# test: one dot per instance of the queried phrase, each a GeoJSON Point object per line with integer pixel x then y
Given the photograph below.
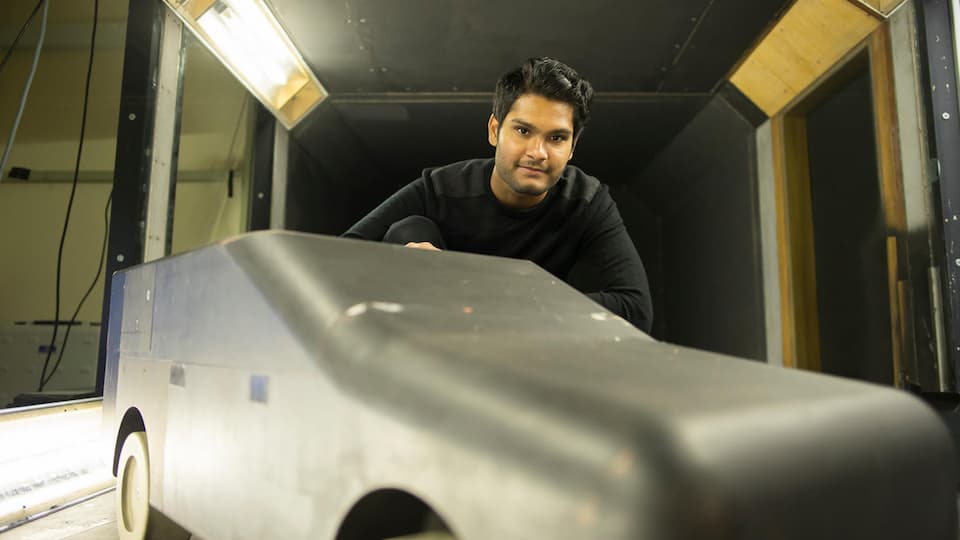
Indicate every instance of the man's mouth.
{"type": "Point", "coordinates": [532, 169]}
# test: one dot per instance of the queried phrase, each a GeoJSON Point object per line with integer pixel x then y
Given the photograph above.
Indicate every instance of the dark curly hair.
{"type": "Point", "coordinates": [549, 78]}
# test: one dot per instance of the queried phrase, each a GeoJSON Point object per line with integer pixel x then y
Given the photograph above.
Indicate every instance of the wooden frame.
{"type": "Point", "coordinates": [795, 228]}
{"type": "Point", "coordinates": [807, 42]}
{"type": "Point", "coordinates": [798, 287]}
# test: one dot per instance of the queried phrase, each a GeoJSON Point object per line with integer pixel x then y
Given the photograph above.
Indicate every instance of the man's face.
{"type": "Point", "coordinates": [534, 144]}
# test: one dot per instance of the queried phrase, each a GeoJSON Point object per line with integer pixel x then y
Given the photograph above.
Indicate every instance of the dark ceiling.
{"type": "Point", "coordinates": [412, 78]}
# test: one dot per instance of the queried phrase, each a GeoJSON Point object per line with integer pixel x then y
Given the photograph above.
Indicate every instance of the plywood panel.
{"type": "Point", "coordinates": [805, 44]}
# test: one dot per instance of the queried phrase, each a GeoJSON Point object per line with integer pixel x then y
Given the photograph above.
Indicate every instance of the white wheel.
{"type": "Point", "coordinates": [133, 488]}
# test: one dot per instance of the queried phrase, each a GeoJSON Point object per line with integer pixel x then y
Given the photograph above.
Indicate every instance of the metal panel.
{"type": "Point", "coordinates": [933, 372]}
{"type": "Point", "coordinates": [131, 179]}
{"type": "Point", "coordinates": [769, 252]}
{"type": "Point", "coordinates": [442, 46]}
{"type": "Point", "coordinates": [723, 35]}
{"type": "Point", "coordinates": [261, 169]}
{"type": "Point", "coordinates": [703, 186]}
{"type": "Point", "coordinates": [945, 122]}
{"type": "Point", "coordinates": [278, 188]}
{"type": "Point", "coordinates": [166, 129]}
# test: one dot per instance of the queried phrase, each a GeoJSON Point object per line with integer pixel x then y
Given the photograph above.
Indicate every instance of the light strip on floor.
{"type": "Point", "coordinates": [49, 457]}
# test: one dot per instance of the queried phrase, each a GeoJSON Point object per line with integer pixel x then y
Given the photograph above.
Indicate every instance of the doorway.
{"type": "Point", "coordinates": [839, 210]}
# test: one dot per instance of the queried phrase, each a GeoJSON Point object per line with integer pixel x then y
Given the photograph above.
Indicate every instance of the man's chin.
{"type": "Point", "coordinates": [530, 190]}
{"type": "Point", "coordinates": [533, 188]}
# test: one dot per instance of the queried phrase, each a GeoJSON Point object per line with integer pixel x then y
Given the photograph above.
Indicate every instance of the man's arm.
{"type": "Point", "coordinates": [614, 273]}
{"type": "Point", "coordinates": [409, 201]}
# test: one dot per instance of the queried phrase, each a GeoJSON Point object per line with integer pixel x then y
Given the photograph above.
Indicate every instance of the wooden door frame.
{"type": "Point", "coordinates": [796, 254]}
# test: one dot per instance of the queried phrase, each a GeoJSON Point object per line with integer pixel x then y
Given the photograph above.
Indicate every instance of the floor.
{"type": "Point", "coordinates": [93, 519]}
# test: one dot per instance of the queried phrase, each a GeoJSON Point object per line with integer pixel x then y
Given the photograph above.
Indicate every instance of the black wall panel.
{"type": "Point", "coordinates": [704, 189]}
{"type": "Point", "coordinates": [334, 180]}
{"type": "Point", "coordinates": [853, 304]}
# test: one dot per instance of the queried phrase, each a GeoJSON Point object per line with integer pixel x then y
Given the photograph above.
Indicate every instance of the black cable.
{"type": "Point", "coordinates": [232, 163]}
{"type": "Point", "coordinates": [96, 278]}
{"type": "Point", "coordinates": [73, 191]}
{"type": "Point", "coordinates": [16, 40]}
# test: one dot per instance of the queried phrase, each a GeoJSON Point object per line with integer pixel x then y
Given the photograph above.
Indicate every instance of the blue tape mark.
{"type": "Point", "coordinates": [258, 388]}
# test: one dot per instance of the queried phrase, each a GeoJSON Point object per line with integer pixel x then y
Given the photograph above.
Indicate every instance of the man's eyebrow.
{"type": "Point", "coordinates": [524, 123]}
{"type": "Point", "coordinates": [521, 122]}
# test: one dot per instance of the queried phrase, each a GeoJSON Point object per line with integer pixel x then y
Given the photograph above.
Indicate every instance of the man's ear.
{"type": "Point", "coordinates": [493, 127]}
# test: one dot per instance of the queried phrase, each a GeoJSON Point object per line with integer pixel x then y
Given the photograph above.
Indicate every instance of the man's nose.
{"type": "Point", "coordinates": [536, 149]}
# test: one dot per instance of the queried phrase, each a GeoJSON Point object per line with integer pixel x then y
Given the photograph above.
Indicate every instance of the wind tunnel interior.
{"type": "Point", "coordinates": [411, 84]}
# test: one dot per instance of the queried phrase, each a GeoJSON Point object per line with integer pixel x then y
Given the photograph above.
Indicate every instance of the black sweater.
{"type": "Point", "coordinates": [576, 224]}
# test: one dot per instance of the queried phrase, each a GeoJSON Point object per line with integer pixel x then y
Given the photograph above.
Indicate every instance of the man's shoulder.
{"type": "Point", "coordinates": [467, 178]}
{"type": "Point", "coordinates": [578, 185]}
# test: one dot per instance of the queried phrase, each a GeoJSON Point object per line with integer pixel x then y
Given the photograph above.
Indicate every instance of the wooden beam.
{"type": "Point", "coordinates": [803, 46]}
{"type": "Point", "coordinates": [788, 329]}
{"type": "Point", "coordinates": [887, 131]}
{"type": "Point", "coordinates": [893, 293]}
{"type": "Point", "coordinates": [890, 168]}
{"type": "Point", "coordinates": [798, 283]}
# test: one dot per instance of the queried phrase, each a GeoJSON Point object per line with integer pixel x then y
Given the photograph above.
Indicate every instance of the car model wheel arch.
{"type": "Point", "coordinates": [131, 423]}
{"type": "Point", "coordinates": [390, 513]}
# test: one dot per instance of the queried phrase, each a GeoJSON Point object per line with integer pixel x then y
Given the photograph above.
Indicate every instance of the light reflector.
{"type": "Point", "coordinates": [248, 39]}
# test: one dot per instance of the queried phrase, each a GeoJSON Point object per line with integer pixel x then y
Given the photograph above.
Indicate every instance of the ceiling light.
{"type": "Point", "coordinates": [249, 40]}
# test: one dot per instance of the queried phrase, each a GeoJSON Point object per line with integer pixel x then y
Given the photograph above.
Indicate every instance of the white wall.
{"type": "Point", "coordinates": [31, 220]}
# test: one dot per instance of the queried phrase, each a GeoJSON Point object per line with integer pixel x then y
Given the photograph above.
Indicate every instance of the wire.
{"type": "Point", "coordinates": [73, 191]}
{"type": "Point", "coordinates": [16, 40]}
{"type": "Point", "coordinates": [232, 163]}
{"type": "Point", "coordinates": [26, 90]}
{"type": "Point", "coordinates": [96, 278]}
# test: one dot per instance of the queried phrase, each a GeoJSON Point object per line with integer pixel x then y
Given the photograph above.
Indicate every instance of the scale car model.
{"type": "Point", "coordinates": [285, 385]}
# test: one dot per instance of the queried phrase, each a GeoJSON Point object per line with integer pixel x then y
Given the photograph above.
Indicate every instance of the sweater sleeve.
{"type": "Point", "coordinates": [618, 277]}
{"type": "Point", "coordinates": [409, 201]}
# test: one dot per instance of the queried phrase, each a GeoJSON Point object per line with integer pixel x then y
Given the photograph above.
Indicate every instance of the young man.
{"type": "Point", "coordinates": [526, 202]}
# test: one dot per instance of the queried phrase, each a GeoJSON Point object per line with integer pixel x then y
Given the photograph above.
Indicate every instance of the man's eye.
{"type": "Point", "coordinates": [558, 138]}
{"type": "Point", "coordinates": [523, 130]}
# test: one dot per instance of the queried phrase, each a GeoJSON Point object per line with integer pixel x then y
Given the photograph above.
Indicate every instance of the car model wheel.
{"type": "Point", "coordinates": [133, 487]}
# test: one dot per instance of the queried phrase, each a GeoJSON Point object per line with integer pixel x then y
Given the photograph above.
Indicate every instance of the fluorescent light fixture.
{"type": "Point", "coordinates": [249, 40]}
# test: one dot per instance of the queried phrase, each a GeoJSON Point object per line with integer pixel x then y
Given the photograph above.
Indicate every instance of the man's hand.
{"type": "Point", "coordinates": [423, 245]}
